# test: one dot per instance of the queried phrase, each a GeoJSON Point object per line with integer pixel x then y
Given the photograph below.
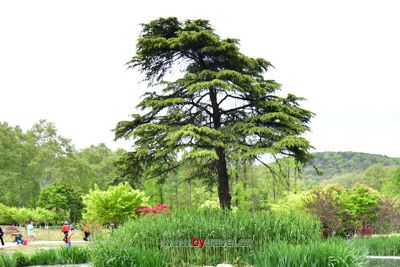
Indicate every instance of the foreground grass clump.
{"type": "Point", "coordinates": [325, 253]}
{"type": "Point", "coordinates": [73, 255]}
{"type": "Point", "coordinates": [168, 239]}
{"type": "Point", "coordinates": [379, 246]}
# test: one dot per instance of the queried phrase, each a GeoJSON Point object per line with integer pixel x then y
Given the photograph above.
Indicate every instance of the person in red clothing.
{"type": "Point", "coordinates": [65, 229]}
{"type": "Point", "coordinates": [67, 240]}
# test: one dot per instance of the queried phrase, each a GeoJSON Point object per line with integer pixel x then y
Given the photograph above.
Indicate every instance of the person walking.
{"type": "Point", "coordinates": [85, 231]}
{"type": "Point", "coordinates": [1, 236]}
{"type": "Point", "coordinates": [29, 232]}
{"type": "Point", "coordinates": [65, 229]}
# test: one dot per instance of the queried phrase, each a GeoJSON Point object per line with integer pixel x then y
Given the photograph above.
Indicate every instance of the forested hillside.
{"type": "Point", "coordinates": [336, 163]}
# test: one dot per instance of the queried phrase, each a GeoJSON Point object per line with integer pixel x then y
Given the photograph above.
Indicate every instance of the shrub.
{"type": "Point", "coordinates": [116, 205]}
{"type": "Point", "coordinates": [325, 204]}
{"type": "Point", "coordinates": [20, 259]}
{"type": "Point", "coordinates": [388, 219]}
{"type": "Point", "coordinates": [158, 209]}
{"type": "Point", "coordinates": [365, 231]}
{"type": "Point", "coordinates": [342, 211]}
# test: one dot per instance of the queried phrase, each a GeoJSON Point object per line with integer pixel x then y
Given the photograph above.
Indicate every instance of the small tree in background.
{"type": "Point", "coordinates": [326, 205]}
{"type": "Point", "coordinates": [116, 205]}
{"type": "Point", "coordinates": [65, 200]}
{"type": "Point", "coordinates": [361, 203]}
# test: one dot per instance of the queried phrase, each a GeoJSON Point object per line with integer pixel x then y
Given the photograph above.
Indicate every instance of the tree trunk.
{"type": "Point", "coordinates": [237, 183]}
{"type": "Point", "coordinates": [161, 195]}
{"type": "Point", "coordinates": [223, 180]}
{"type": "Point", "coordinates": [223, 177]}
{"type": "Point", "coordinates": [176, 191]}
{"type": "Point", "coordinates": [253, 204]}
{"type": "Point", "coordinates": [190, 193]}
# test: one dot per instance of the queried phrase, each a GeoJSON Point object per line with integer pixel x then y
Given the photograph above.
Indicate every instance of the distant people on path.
{"type": "Point", "coordinates": [85, 231]}
{"type": "Point", "coordinates": [1, 236]}
{"type": "Point", "coordinates": [29, 232]}
{"type": "Point", "coordinates": [65, 229]}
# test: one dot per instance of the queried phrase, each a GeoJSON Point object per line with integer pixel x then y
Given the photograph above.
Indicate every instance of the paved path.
{"type": "Point", "coordinates": [13, 244]}
{"type": "Point", "coordinates": [384, 257]}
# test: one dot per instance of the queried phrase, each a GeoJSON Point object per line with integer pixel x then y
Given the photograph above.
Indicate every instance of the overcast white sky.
{"type": "Point", "coordinates": [64, 61]}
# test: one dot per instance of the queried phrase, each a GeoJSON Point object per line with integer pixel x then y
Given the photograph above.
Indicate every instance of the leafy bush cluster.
{"type": "Point", "coordinates": [115, 205]}
{"type": "Point", "coordinates": [348, 211]}
{"type": "Point", "coordinates": [12, 215]}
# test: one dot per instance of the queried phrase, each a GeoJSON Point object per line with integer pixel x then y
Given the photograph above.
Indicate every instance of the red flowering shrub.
{"type": "Point", "coordinates": [365, 230]}
{"type": "Point", "coordinates": [158, 208]}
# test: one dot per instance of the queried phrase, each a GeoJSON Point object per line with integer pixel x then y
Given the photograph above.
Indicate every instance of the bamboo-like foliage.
{"type": "Point", "coordinates": [149, 233]}
{"type": "Point", "coordinates": [379, 246]}
{"type": "Point", "coordinates": [329, 254]}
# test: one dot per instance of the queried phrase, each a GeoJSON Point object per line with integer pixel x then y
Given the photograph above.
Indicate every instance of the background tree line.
{"type": "Point", "coordinates": [40, 168]}
{"type": "Point", "coordinates": [39, 157]}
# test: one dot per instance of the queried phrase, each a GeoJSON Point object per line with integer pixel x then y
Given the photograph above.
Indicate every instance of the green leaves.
{"type": "Point", "coordinates": [221, 106]}
{"type": "Point", "coordinates": [65, 200]}
{"type": "Point", "coordinates": [116, 205]}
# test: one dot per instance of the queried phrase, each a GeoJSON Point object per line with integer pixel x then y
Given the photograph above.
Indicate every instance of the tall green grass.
{"type": "Point", "coordinates": [316, 254]}
{"type": "Point", "coordinates": [379, 246]}
{"type": "Point", "coordinates": [147, 233]}
{"type": "Point", "coordinates": [73, 255]}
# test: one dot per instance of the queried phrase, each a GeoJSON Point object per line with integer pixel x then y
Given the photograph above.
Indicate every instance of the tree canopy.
{"type": "Point", "coordinates": [65, 200]}
{"type": "Point", "coordinates": [221, 107]}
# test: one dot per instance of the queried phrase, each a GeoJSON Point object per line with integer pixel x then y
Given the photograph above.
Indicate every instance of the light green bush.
{"type": "Point", "coordinates": [116, 205]}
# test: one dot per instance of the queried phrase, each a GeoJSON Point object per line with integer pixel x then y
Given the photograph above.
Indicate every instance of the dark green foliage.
{"type": "Point", "coordinates": [148, 233]}
{"type": "Point", "coordinates": [20, 259]}
{"type": "Point", "coordinates": [66, 200]}
{"type": "Point", "coordinates": [221, 107]}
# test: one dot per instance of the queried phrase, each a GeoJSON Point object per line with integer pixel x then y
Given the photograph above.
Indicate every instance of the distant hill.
{"type": "Point", "coordinates": [335, 163]}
